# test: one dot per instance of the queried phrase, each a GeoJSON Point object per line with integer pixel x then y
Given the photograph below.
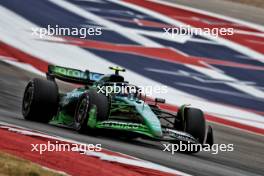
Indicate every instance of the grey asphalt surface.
{"type": "Point", "coordinates": [224, 7]}
{"type": "Point", "coordinates": [246, 159]}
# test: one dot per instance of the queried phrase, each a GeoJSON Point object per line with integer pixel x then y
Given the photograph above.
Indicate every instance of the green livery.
{"type": "Point", "coordinates": [90, 108]}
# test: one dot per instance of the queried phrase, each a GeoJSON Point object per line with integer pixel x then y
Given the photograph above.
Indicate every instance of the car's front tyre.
{"type": "Point", "coordinates": [195, 124]}
{"type": "Point", "coordinates": [87, 101]}
{"type": "Point", "coordinates": [192, 121]}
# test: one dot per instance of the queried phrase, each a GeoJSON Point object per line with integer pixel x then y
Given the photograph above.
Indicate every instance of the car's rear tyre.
{"type": "Point", "coordinates": [86, 102]}
{"type": "Point", "coordinates": [40, 100]}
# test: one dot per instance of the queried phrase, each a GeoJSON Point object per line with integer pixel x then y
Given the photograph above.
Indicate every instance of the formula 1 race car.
{"type": "Point", "coordinates": [91, 108]}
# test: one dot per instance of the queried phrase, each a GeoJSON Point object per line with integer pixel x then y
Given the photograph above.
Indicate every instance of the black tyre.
{"type": "Point", "coordinates": [195, 123]}
{"type": "Point", "coordinates": [86, 102]}
{"type": "Point", "coordinates": [210, 136]}
{"type": "Point", "coordinates": [40, 101]}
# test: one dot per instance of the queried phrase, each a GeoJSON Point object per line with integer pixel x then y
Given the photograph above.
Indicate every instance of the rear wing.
{"type": "Point", "coordinates": [72, 75]}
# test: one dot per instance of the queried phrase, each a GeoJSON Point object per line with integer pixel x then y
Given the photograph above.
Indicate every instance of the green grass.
{"type": "Point", "coordinates": [13, 166]}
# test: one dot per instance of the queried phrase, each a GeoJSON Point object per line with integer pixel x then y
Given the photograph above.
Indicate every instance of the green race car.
{"type": "Point", "coordinates": [98, 106]}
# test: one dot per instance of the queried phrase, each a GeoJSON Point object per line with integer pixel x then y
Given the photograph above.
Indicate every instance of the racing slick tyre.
{"type": "Point", "coordinates": [192, 122]}
{"type": "Point", "coordinates": [86, 102]}
{"type": "Point", "coordinates": [195, 123]}
{"type": "Point", "coordinates": [40, 100]}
